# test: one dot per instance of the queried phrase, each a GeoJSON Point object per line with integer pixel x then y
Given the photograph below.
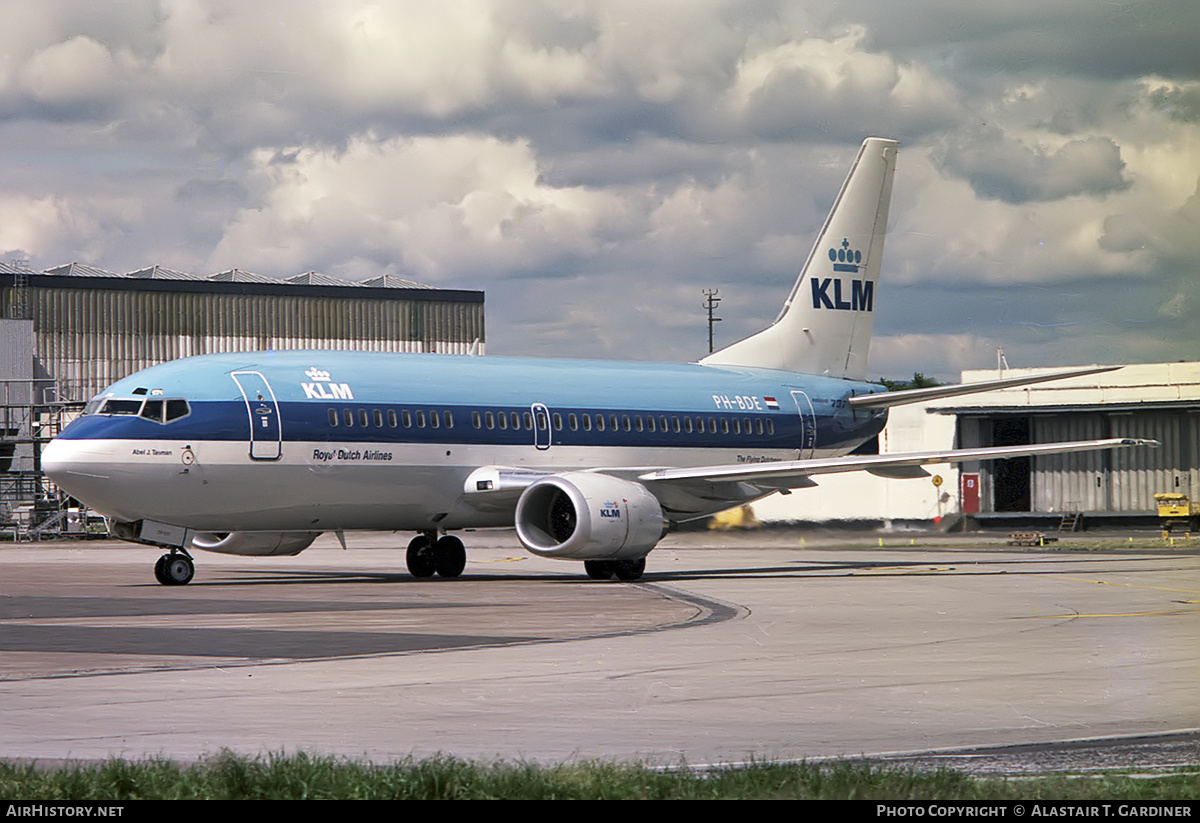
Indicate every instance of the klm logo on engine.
{"type": "Point", "coordinates": [610, 509]}
{"type": "Point", "coordinates": [832, 292]}
{"type": "Point", "coordinates": [322, 388]}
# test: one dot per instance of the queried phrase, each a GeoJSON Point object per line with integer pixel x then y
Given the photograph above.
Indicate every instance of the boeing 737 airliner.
{"type": "Point", "coordinates": [259, 453]}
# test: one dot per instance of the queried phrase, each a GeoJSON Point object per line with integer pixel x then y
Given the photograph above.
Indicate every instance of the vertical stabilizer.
{"type": "Point", "coordinates": [825, 325]}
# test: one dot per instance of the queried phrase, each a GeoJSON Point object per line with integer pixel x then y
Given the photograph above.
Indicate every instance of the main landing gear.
{"type": "Point", "coordinates": [427, 555]}
{"type": "Point", "coordinates": [627, 570]}
{"type": "Point", "coordinates": [174, 569]}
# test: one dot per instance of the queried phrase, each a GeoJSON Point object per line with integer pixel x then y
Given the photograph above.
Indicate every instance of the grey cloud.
{"type": "Point", "coordinates": [1033, 37]}
{"type": "Point", "coordinates": [999, 168]}
{"type": "Point", "coordinates": [1172, 236]}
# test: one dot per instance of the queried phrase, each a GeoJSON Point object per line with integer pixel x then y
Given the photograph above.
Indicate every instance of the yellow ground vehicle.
{"type": "Point", "coordinates": [1176, 511]}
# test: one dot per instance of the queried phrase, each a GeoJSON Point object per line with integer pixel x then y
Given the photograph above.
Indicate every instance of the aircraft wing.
{"type": "Point", "coordinates": [703, 489]}
{"type": "Point", "coordinates": [884, 400]}
{"type": "Point", "coordinates": [886, 465]}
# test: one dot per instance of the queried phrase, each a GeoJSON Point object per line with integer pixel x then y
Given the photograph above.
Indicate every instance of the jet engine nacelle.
{"type": "Point", "coordinates": [585, 516]}
{"type": "Point", "coordinates": [255, 544]}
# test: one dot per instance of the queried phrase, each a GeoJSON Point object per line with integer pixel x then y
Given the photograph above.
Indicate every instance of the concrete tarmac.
{"type": "Point", "coordinates": [731, 647]}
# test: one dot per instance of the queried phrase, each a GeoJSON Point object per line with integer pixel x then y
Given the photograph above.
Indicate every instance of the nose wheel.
{"type": "Point", "coordinates": [174, 569]}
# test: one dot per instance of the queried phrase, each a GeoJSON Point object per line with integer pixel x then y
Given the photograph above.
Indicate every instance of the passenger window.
{"type": "Point", "coordinates": [587, 422]}
{"type": "Point", "coordinates": [516, 421]}
{"type": "Point", "coordinates": [770, 426]}
{"type": "Point", "coordinates": [378, 419]}
{"type": "Point", "coordinates": [406, 418]}
{"type": "Point", "coordinates": [599, 422]}
{"type": "Point", "coordinates": [675, 424]}
{"type": "Point", "coordinates": [687, 425]}
{"type": "Point", "coordinates": [558, 422]}
{"type": "Point", "coordinates": [448, 419]}
{"type": "Point", "coordinates": [348, 417]}
{"type": "Point", "coordinates": [434, 420]}
{"type": "Point", "coordinates": [573, 421]}
{"type": "Point", "coordinates": [333, 418]}
{"type": "Point", "coordinates": [363, 420]}
{"type": "Point", "coordinates": [490, 420]}
{"type": "Point", "coordinates": [420, 419]}
{"type": "Point", "coordinates": [503, 420]}
{"type": "Point", "coordinates": [528, 417]}
{"type": "Point", "coordinates": [392, 418]}
{"type": "Point", "coordinates": [476, 421]}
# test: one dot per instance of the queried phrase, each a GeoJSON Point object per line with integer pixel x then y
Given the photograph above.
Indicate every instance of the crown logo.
{"type": "Point", "coordinates": [317, 374]}
{"type": "Point", "coordinates": [845, 258]}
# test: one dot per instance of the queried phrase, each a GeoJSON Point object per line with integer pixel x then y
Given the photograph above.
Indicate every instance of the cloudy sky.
{"type": "Point", "coordinates": [594, 165]}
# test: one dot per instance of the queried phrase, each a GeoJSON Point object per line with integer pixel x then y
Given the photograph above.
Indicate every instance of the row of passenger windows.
{"type": "Point", "coordinates": [574, 421]}
{"type": "Point", "coordinates": [434, 419]}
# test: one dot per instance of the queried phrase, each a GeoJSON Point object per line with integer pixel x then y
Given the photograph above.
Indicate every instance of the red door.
{"type": "Point", "coordinates": [970, 494]}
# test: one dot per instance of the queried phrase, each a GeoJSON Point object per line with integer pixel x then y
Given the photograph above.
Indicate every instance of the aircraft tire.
{"type": "Point", "coordinates": [629, 570]}
{"type": "Point", "coordinates": [178, 570]}
{"type": "Point", "coordinates": [160, 570]}
{"type": "Point", "coordinates": [449, 557]}
{"type": "Point", "coordinates": [599, 569]}
{"type": "Point", "coordinates": [419, 557]}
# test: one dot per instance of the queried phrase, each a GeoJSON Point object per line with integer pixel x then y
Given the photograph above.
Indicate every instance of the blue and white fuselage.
{"type": "Point", "coordinates": [258, 453]}
{"type": "Point", "coordinates": [363, 440]}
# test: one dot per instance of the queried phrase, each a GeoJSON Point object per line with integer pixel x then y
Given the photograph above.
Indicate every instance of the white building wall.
{"type": "Point", "coordinates": [859, 495]}
{"type": "Point", "coordinates": [863, 496]}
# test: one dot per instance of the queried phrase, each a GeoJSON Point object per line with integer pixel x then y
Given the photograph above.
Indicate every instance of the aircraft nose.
{"type": "Point", "coordinates": [76, 467]}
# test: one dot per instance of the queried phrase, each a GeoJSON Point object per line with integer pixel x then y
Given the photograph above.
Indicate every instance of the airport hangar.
{"type": "Point", "coordinates": [1160, 401]}
{"type": "Point", "coordinates": [69, 332]}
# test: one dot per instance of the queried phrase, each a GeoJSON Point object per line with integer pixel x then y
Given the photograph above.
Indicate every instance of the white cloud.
{"type": "Point", "coordinates": [838, 86]}
{"type": "Point", "coordinates": [75, 71]}
{"type": "Point", "coordinates": [440, 208]}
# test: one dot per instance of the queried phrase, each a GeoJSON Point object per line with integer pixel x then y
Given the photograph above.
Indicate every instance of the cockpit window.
{"type": "Point", "coordinates": [121, 407]}
{"type": "Point", "coordinates": [160, 411]}
{"type": "Point", "coordinates": [165, 411]}
{"type": "Point", "coordinates": [177, 409]}
{"type": "Point", "coordinates": [153, 410]}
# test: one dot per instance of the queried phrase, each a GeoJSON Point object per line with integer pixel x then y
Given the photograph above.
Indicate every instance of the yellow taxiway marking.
{"type": "Point", "coordinates": [1125, 585]}
{"type": "Point", "coordinates": [1111, 614]}
{"type": "Point", "coordinates": [903, 570]}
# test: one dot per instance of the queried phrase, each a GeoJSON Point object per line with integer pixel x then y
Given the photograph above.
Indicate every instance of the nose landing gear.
{"type": "Point", "coordinates": [174, 569]}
